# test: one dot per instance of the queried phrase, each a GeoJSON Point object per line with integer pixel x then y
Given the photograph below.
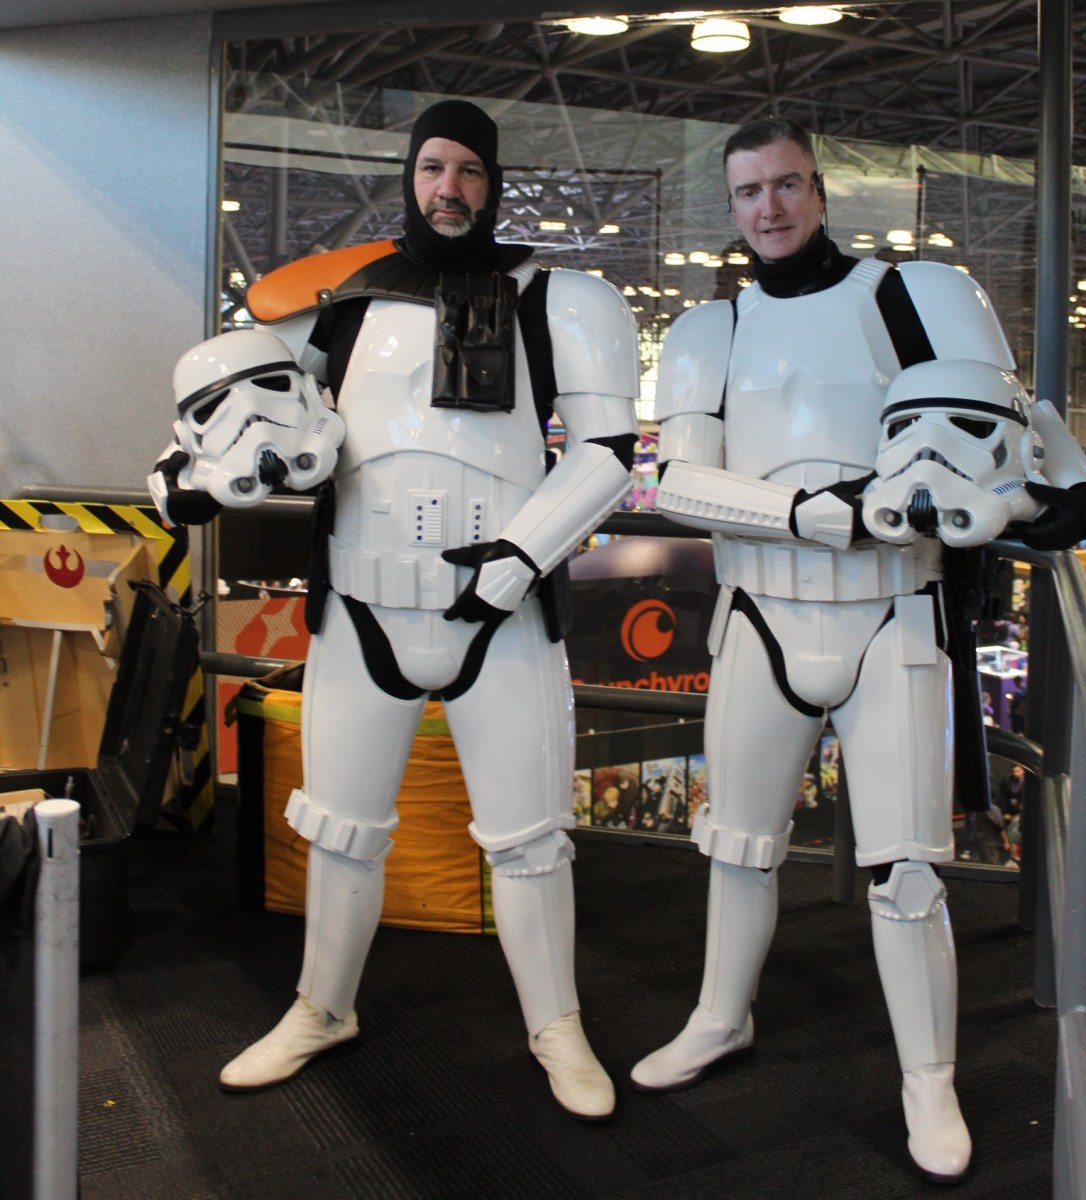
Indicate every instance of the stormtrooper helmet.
{"type": "Point", "coordinates": [249, 418]}
{"type": "Point", "coordinates": [957, 447]}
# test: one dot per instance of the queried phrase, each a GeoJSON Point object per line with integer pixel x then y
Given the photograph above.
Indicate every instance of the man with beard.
{"type": "Point", "coordinates": [816, 617]}
{"type": "Point", "coordinates": [439, 572]}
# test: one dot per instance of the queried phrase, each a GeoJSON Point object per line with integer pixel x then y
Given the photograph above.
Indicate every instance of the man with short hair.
{"type": "Point", "coordinates": [793, 390]}
{"type": "Point", "coordinates": [439, 572]}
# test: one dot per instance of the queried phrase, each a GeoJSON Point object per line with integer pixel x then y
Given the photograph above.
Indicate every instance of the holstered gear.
{"type": "Point", "coordinates": [474, 342]}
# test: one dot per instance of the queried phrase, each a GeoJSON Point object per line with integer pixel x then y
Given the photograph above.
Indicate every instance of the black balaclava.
{"type": "Point", "coordinates": [476, 250]}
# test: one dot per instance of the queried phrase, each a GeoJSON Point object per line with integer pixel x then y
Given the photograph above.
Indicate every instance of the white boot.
{"type": "Point", "coordinates": [914, 949]}
{"type": "Point", "coordinates": [939, 1142]}
{"type": "Point", "coordinates": [742, 914]}
{"type": "Point", "coordinates": [306, 1031]}
{"type": "Point", "coordinates": [534, 915]}
{"type": "Point", "coordinates": [684, 1061]}
{"type": "Point", "coordinates": [580, 1085]}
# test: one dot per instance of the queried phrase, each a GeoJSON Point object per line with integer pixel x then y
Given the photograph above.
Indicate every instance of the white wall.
{"type": "Point", "coordinates": [104, 170]}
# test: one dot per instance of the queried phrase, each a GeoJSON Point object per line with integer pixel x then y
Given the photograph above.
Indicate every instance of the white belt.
{"type": "Point", "coordinates": [391, 580]}
{"type": "Point", "coordinates": [800, 572]}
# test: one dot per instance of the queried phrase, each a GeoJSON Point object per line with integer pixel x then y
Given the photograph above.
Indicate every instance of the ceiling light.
{"type": "Point", "coordinates": [674, 259]}
{"type": "Point", "coordinates": [610, 229]}
{"type": "Point", "coordinates": [629, 291]}
{"type": "Point", "coordinates": [736, 258]}
{"type": "Point", "coordinates": [689, 303]}
{"type": "Point", "coordinates": [675, 292]}
{"type": "Point", "coordinates": [865, 245]}
{"type": "Point", "coordinates": [1081, 285]}
{"type": "Point", "coordinates": [811, 14]}
{"type": "Point", "coordinates": [598, 26]}
{"type": "Point", "coordinates": [940, 239]}
{"type": "Point", "coordinates": [715, 35]}
{"type": "Point", "coordinates": [552, 226]}
{"type": "Point", "coordinates": [899, 237]}
{"type": "Point", "coordinates": [231, 205]}
{"type": "Point", "coordinates": [865, 237]}
{"type": "Point", "coordinates": [697, 256]}
{"type": "Point", "coordinates": [713, 262]}
{"type": "Point", "coordinates": [962, 267]}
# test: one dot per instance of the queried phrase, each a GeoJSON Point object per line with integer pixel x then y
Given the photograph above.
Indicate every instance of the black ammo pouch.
{"type": "Point", "coordinates": [475, 341]}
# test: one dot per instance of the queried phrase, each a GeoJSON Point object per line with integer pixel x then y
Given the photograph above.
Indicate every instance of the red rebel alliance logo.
{"type": "Point", "coordinates": [67, 570]}
{"type": "Point", "coordinates": [647, 630]}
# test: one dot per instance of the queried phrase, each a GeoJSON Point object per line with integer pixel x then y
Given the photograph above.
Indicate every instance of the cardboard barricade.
{"type": "Point", "coordinates": [436, 877]}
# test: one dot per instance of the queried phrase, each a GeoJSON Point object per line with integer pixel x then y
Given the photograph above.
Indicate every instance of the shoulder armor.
{"type": "Point", "coordinates": [694, 361]}
{"type": "Point", "coordinates": [593, 335]}
{"type": "Point", "coordinates": [294, 288]}
{"type": "Point", "coordinates": [957, 315]}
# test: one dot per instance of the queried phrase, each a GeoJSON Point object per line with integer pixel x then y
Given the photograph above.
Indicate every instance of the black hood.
{"type": "Point", "coordinates": [465, 123]}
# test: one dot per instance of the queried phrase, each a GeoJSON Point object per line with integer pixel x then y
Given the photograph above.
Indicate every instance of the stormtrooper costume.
{"type": "Point", "coordinates": [446, 529]}
{"type": "Point", "coordinates": [816, 617]}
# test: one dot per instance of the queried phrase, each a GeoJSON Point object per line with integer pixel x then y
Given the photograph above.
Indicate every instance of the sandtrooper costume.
{"type": "Point", "coordinates": [816, 617]}
{"type": "Point", "coordinates": [446, 527]}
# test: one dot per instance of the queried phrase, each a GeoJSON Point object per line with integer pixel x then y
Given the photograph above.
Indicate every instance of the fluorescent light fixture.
{"type": "Point", "coordinates": [697, 256]}
{"type": "Point", "coordinates": [1081, 285]}
{"type": "Point", "coordinates": [231, 205]}
{"type": "Point", "coordinates": [865, 237]}
{"type": "Point", "coordinates": [552, 226]}
{"type": "Point", "coordinates": [598, 26]}
{"type": "Point", "coordinates": [940, 239]}
{"type": "Point", "coordinates": [736, 258]}
{"type": "Point", "coordinates": [714, 262]}
{"type": "Point", "coordinates": [610, 229]}
{"type": "Point", "coordinates": [674, 259]}
{"type": "Point", "coordinates": [899, 237]}
{"type": "Point", "coordinates": [675, 292]}
{"type": "Point", "coordinates": [810, 14]}
{"type": "Point", "coordinates": [628, 290]}
{"type": "Point", "coordinates": [715, 35]}
{"type": "Point", "coordinates": [689, 303]}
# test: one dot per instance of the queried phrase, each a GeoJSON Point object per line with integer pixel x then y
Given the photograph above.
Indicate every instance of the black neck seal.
{"type": "Point", "coordinates": [819, 265]}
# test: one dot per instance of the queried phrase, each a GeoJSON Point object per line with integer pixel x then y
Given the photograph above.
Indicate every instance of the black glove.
{"type": "Point", "coordinates": [469, 606]}
{"type": "Point", "coordinates": [850, 492]}
{"type": "Point", "coordinates": [1063, 523]}
{"type": "Point", "coordinates": [185, 506]}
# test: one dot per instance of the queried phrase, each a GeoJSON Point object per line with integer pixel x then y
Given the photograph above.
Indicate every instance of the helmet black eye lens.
{"type": "Point", "coordinates": [975, 428]}
{"type": "Point", "coordinates": [274, 383]}
{"type": "Point", "coordinates": [204, 413]}
{"type": "Point", "coordinates": [900, 426]}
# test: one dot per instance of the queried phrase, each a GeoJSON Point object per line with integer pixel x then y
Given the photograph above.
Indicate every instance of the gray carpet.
{"type": "Point", "coordinates": [439, 1099]}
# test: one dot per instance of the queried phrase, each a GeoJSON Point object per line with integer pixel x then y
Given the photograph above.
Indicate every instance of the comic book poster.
{"type": "Point", "coordinates": [663, 804]}
{"type": "Point", "coordinates": [697, 793]}
{"type": "Point", "coordinates": [615, 795]}
{"type": "Point", "coordinates": [582, 796]}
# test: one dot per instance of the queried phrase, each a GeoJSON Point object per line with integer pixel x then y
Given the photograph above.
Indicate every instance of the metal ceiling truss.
{"type": "Point", "coordinates": [956, 78]}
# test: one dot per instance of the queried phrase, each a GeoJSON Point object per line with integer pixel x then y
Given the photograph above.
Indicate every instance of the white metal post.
{"type": "Point", "coordinates": [56, 1002]}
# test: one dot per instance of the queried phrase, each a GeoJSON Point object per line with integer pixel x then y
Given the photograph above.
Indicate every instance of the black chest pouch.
{"type": "Point", "coordinates": [475, 342]}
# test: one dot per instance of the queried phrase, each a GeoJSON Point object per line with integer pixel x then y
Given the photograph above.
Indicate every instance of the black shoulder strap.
{"type": "Point", "coordinates": [907, 332]}
{"type": "Point", "coordinates": [536, 335]}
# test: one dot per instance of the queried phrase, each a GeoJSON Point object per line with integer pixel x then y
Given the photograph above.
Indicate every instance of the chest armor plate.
{"type": "Point", "coordinates": [806, 383]}
{"type": "Point", "coordinates": [385, 401]}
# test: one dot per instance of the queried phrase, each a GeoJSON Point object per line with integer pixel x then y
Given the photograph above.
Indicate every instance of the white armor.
{"type": "Point", "coordinates": [416, 485]}
{"type": "Point", "coordinates": [809, 623]}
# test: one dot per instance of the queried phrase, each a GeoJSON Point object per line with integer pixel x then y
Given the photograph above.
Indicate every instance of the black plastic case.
{"type": "Point", "coordinates": [144, 723]}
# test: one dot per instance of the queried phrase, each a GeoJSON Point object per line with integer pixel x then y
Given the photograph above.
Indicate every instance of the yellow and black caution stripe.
{"type": "Point", "coordinates": [192, 802]}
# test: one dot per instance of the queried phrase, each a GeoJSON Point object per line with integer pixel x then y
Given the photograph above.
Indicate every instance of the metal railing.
{"type": "Point", "coordinates": [1053, 878]}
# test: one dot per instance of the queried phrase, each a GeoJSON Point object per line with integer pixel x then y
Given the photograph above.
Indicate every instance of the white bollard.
{"type": "Point", "coordinates": [56, 1002]}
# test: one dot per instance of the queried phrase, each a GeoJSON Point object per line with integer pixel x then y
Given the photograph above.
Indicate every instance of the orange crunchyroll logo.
{"type": "Point", "coordinates": [60, 572]}
{"type": "Point", "coordinates": [647, 630]}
